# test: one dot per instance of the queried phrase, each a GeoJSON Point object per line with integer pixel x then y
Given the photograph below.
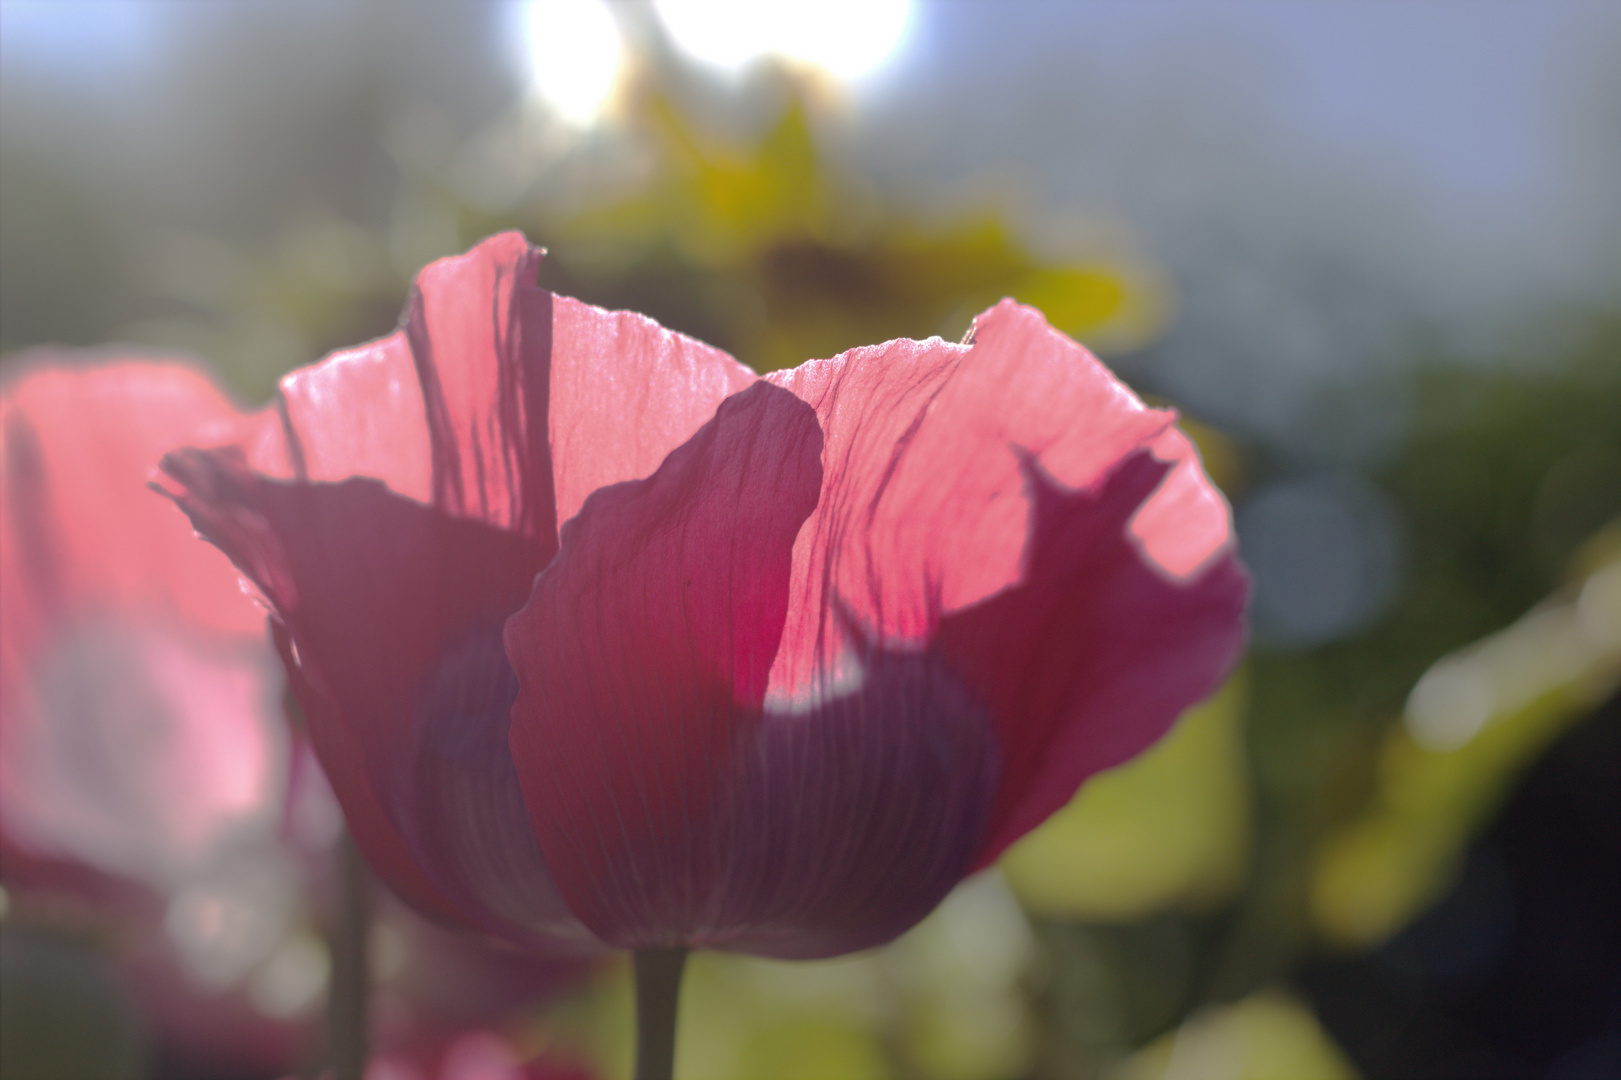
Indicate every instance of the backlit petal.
{"type": "Point", "coordinates": [624, 393]}
{"type": "Point", "coordinates": [1082, 623]}
{"type": "Point", "coordinates": [1092, 657]}
{"type": "Point", "coordinates": [925, 509]}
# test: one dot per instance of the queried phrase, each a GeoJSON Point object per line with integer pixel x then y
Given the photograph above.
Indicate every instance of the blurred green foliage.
{"type": "Point", "coordinates": [66, 1015]}
{"type": "Point", "coordinates": [765, 246]}
{"type": "Point", "coordinates": [770, 250]}
{"type": "Point", "coordinates": [1264, 1037]}
{"type": "Point", "coordinates": [1170, 829]}
{"type": "Point", "coordinates": [1491, 528]}
{"type": "Point", "coordinates": [1472, 725]}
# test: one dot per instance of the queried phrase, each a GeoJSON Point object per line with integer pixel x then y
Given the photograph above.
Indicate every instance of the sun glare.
{"type": "Point", "coordinates": [575, 55]}
{"type": "Point", "coordinates": [846, 38]}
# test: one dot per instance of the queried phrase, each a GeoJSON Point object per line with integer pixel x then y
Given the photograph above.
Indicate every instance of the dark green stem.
{"type": "Point", "coordinates": [349, 992]}
{"type": "Point", "coordinates": [658, 988]}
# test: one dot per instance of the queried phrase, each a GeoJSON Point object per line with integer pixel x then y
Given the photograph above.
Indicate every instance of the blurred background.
{"type": "Point", "coordinates": [1371, 251]}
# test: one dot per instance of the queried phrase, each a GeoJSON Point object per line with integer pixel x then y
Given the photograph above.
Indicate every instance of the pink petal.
{"type": "Point", "coordinates": [451, 409]}
{"type": "Point", "coordinates": [494, 394]}
{"type": "Point", "coordinates": [929, 524]}
{"type": "Point", "coordinates": [643, 648]}
{"type": "Point", "coordinates": [393, 613]}
{"type": "Point", "coordinates": [1185, 524]}
{"type": "Point", "coordinates": [1092, 657]}
{"type": "Point", "coordinates": [925, 510]}
{"type": "Point", "coordinates": [625, 393]}
{"type": "Point", "coordinates": [82, 529]}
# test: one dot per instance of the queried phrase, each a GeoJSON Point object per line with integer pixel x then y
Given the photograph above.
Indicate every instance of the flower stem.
{"type": "Point", "coordinates": [350, 989]}
{"type": "Point", "coordinates": [658, 988]}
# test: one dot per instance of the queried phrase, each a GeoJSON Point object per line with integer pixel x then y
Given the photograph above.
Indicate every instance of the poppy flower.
{"type": "Point", "coordinates": [604, 638]}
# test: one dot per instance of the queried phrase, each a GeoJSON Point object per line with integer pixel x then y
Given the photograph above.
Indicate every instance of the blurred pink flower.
{"type": "Point", "coordinates": [804, 652]}
{"type": "Point", "coordinates": [147, 778]}
{"type": "Point", "coordinates": [139, 722]}
{"type": "Point", "coordinates": [143, 755]}
{"type": "Point", "coordinates": [473, 1055]}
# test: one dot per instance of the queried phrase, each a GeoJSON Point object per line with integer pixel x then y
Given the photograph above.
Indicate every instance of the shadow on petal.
{"type": "Point", "coordinates": [392, 614]}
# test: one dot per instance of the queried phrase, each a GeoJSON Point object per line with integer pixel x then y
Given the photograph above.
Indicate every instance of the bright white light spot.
{"type": "Point", "coordinates": [989, 937]}
{"type": "Point", "coordinates": [842, 678]}
{"type": "Point", "coordinates": [846, 38]}
{"type": "Point", "coordinates": [481, 1055]}
{"type": "Point", "coordinates": [225, 927]}
{"type": "Point", "coordinates": [1598, 610]}
{"type": "Point", "coordinates": [1450, 704]}
{"type": "Point", "coordinates": [575, 55]}
{"type": "Point", "coordinates": [1558, 644]}
{"type": "Point", "coordinates": [389, 952]}
{"type": "Point", "coordinates": [294, 977]}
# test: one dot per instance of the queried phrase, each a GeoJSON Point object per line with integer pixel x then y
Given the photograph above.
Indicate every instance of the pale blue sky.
{"type": "Point", "coordinates": [1470, 92]}
{"type": "Point", "coordinates": [1474, 94]}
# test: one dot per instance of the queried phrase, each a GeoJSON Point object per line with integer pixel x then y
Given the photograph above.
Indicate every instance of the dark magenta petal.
{"type": "Point", "coordinates": [643, 648]}
{"type": "Point", "coordinates": [342, 755]}
{"type": "Point", "coordinates": [845, 825]}
{"type": "Point", "coordinates": [1094, 655]}
{"type": "Point", "coordinates": [393, 613]}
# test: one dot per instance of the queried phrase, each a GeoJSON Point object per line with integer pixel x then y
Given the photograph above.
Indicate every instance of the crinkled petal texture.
{"type": "Point", "coordinates": [877, 619]}
{"type": "Point", "coordinates": [1011, 507]}
{"type": "Point", "coordinates": [139, 726]}
{"type": "Point", "coordinates": [394, 505]}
